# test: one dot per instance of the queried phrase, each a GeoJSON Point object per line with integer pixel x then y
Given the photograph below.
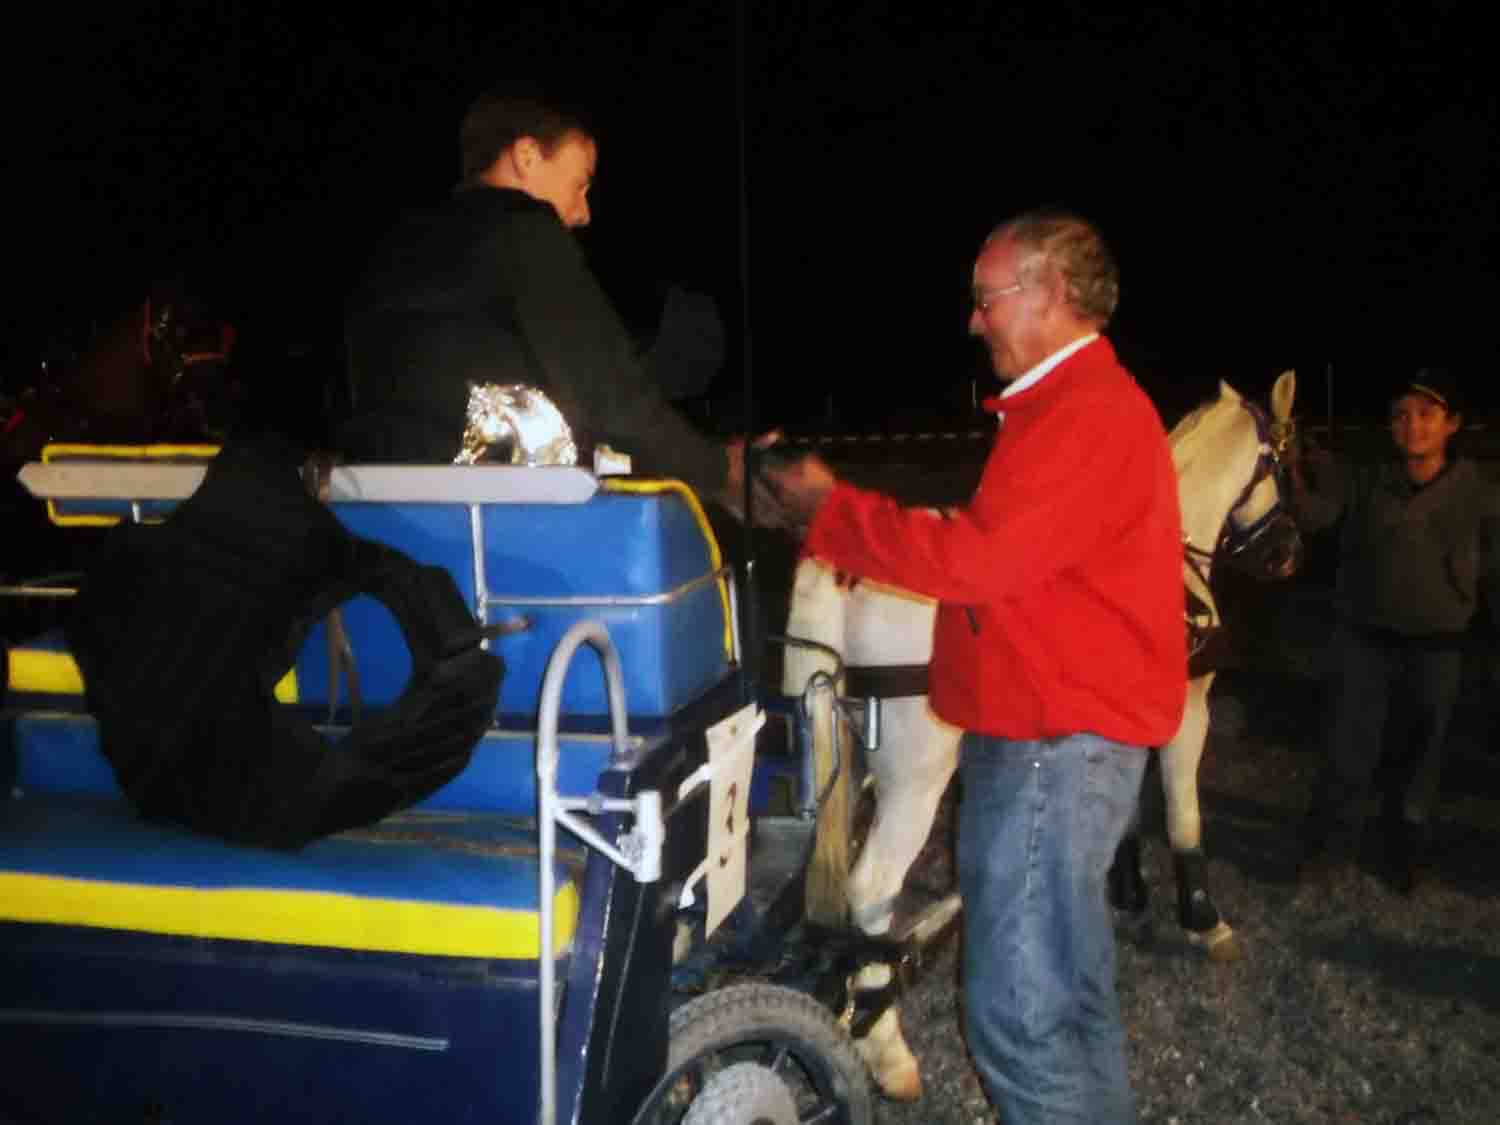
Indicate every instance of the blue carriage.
{"type": "Point", "coordinates": [458, 961]}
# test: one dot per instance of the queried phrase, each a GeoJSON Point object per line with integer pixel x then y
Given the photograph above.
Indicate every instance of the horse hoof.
{"type": "Point", "coordinates": [897, 1078]}
{"type": "Point", "coordinates": [904, 1085]}
{"type": "Point", "coordinates": [1219, 944]}
{"type": "Point", "coordinates": [890, 1060]}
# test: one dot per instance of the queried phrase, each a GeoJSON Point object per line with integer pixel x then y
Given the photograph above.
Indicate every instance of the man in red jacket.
{"type": "Point", "coordinates": [1059, 649]}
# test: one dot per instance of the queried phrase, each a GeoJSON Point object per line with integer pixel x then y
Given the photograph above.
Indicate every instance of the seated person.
{"type": "Point", "coordinates": [489, 286]}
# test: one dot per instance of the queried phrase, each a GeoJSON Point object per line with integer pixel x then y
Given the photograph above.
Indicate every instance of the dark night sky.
{"type": "Point", "coordinates": [1282, 190]}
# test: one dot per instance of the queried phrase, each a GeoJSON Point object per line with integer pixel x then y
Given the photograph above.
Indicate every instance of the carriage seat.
{"type": "Point", "coordinates": [453, 877]}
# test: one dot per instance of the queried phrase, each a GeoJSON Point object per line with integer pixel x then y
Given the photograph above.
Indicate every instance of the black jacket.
{"type": "Point", "coordinates": [489, 287]}
{"type": "Point", "coordinates": [1412, 560]}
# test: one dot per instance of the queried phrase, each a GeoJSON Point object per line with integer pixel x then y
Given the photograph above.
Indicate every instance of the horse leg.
{"type": "Point", "coordinates": [1196, 912]}
{"type": "Point", "coordinates": [1127, 885]}
{"type": "Point", "coordinates": [818, 613]}
{"type": "Point", "coordinates": [911, 771]}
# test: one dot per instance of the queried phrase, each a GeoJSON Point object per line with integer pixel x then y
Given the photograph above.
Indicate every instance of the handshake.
{"type": "Point", "coordinates": [788, 487]}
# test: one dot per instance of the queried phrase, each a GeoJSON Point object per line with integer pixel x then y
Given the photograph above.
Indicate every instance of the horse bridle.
{"type": "Point", "coordinates": [1274, 438]}
{"type": "Point", "coordinates": [1270, 461]}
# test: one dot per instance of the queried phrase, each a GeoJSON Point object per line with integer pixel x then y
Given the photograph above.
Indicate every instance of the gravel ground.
{"type": "Point", "coordinates": [1353, 1005]}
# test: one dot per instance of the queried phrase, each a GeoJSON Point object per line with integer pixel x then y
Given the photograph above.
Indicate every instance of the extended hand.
{"type": "Point", "coordinates": [768, 510]}
{"type": "Point", "coordinates": [801, 485]}
{"type": "Point", "coordinates": [1305, 457]}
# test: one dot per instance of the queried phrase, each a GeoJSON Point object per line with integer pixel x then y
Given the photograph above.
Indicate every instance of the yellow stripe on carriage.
{"type": "Point", "coordinates": [715, 558]}
{"type": "Point", "coordinates": [43, 671]}
{"type": "Point", "coordinates": [286, 917]}
{"type": "Point", "coordinates": [50, 672]}
{"type": "Point", "coordinates": [64, 450]}
{"type": "Point", "coordinates": [61, 450]}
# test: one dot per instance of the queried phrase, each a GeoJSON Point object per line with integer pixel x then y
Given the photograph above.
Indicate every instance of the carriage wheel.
{"type": "Point", "coordinates": [743, 1094]}
{"type": "Point", "coordinates": [786, 1033]}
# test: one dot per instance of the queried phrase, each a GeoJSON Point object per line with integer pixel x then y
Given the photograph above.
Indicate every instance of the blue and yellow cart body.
{"type": "Point", "coordinates": [393, 973]}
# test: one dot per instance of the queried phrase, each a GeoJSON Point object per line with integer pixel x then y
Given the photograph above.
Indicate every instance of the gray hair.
{"type": "Point", "coordinates": [1073, 246]}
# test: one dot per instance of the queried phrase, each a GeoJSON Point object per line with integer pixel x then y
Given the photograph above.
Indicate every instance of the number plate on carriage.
{"type": "Point", "coordinates": [731, 758]}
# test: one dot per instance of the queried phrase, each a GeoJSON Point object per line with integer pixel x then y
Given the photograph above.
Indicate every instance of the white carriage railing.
{"type": "Point", "coordinates": [473, 486]}
{"type": "Point", "coordinates": [115, 478]}
{"type": "Point", "coordinates": [638, 851]}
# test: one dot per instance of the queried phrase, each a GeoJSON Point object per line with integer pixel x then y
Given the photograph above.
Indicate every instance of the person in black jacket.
{"type": "Point", "coordinates": [489, 286]}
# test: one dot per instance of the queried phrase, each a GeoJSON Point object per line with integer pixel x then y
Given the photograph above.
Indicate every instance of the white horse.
{"type": "Point", "coordinates": [1226, 455]}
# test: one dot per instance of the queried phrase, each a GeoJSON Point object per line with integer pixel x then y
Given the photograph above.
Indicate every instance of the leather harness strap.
{"type": "Point", "coordinates": [895, 681]}
{"type": "Point", "coordinates": [887, 681]}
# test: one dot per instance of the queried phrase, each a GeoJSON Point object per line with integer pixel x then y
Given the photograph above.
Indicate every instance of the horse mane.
{"type": "Point", "coordinates": [1189, 421]}
{"type": "Point", "coordinates": [1182, 434]}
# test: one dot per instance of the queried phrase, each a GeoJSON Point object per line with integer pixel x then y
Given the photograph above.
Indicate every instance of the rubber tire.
{"type": "Point", "coordinates": [743, 1094]}
{"type": "Point", "coordinates": [821, 1053]}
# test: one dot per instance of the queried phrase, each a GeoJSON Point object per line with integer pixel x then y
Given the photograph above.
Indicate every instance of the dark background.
{"type": "Point", "coordinates": [1283, 190]}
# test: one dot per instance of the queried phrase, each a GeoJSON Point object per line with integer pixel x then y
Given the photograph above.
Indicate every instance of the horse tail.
{"type": "Point", "coordinates": [826, 896]}
{"type": "Point", "coordinates": [811, 672]}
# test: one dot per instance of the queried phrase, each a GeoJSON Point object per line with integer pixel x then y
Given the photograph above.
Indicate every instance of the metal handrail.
{"type": "Point", "coordinates": [639, 850]}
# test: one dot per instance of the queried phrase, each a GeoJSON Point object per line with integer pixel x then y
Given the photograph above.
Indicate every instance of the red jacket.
{"type": "Point", "coordinates": [1061, 582]}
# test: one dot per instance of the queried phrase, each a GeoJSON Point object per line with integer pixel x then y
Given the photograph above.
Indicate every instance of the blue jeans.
{"type": "Point", "coordinates": [1038, 828]}
{"type": "Point", "coordinates": [1379, 674]}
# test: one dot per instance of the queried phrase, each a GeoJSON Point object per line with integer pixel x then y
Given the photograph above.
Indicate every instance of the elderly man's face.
{"type": "Point", "coordinates": [1007, 314]}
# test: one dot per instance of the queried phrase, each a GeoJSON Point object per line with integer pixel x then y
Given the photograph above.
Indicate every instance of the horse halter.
{"type": "Point", "coordinates": [1234, 542]}
{"type": "Point", "coordinates": [1274, 438]}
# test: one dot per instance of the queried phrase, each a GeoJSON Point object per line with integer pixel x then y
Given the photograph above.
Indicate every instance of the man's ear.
{"type": "Point", "coordinates": [525, 154]}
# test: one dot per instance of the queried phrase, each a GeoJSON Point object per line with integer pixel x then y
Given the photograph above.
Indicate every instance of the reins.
{"type": "Point", "coordinates": [1201, 616]}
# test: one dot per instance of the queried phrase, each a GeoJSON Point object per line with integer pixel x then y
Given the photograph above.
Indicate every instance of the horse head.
{"type": "Point", "coordinates": [517, 425]}
{"type": "Point", "coordinates": [1229, 456]}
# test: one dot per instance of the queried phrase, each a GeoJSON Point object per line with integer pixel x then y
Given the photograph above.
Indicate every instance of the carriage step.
{"type": "Point", "coordinates": [779, 848]}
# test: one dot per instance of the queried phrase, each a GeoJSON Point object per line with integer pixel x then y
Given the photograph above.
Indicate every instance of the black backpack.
{"type": "Point", "coordinates": [183, 629]}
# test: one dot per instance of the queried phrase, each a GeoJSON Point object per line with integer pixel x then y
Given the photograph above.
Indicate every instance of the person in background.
{"type": "Point", "coordinates": [490, 286]}
{"type": "Point", "coordinates": [1058, 649]}
{"type": "Point", "coordinates": [1417, 548]}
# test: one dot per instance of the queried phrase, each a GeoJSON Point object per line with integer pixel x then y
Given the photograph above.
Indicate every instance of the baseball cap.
{"type": "Point", "coordinates": [1437, 383]}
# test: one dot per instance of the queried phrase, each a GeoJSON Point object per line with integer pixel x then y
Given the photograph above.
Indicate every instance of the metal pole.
{"type": "Point", "coordinates": [751, 648]}
{"type": "Point", "coordinates": [744, 224]}
{"type": "Point", "coordinates": [1328, 382]}
{"type": "Point", "coordinates": [549, 810]}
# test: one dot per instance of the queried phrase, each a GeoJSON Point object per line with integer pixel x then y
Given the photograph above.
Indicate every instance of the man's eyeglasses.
{"type": "Point", "coordinates": [984, 298]}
